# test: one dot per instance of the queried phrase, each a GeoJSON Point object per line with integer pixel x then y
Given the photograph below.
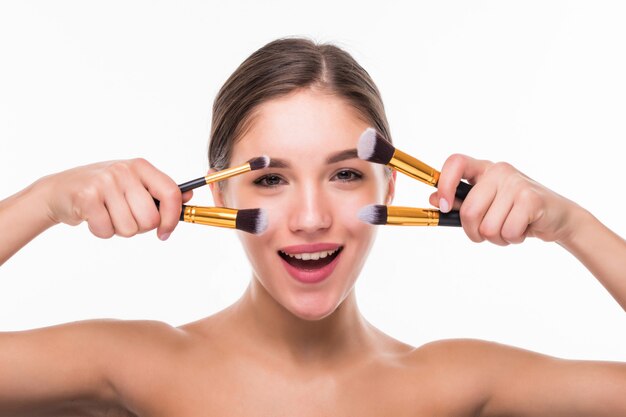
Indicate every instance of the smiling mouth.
{"type": "Point", "coordinates": [310, 261]}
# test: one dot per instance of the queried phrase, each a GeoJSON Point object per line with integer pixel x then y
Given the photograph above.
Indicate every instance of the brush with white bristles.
{"type": "Point", "coordinates": [375, 148]}
{"type": "Point", "coordinates": [407, 216]}
{"type": "Point", "coordinates": [248, 220]}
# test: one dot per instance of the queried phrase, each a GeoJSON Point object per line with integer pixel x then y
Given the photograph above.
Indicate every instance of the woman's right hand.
{"type": "Point", "coordinates": [114, 198]}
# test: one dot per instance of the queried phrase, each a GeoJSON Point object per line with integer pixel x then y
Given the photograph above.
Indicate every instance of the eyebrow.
{"type": "Point", "coordinates": [332, 159]}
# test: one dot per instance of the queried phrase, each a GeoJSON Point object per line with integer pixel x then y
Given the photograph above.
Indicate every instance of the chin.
{"type": "Point", "coordinates": [313, 308]}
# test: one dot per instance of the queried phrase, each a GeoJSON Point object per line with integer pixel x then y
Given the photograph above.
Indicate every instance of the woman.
{"type": "Point", "coordinates": [295, 342]}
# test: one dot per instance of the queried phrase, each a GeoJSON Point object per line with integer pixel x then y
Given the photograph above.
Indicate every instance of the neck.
{"type": "Point", "coordinates": [344, 333]}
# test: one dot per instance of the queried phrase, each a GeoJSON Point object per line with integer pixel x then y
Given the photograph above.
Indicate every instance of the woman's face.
{"type": "Point", "coordinates": [314, 248]}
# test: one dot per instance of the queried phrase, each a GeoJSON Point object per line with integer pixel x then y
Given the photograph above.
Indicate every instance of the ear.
{"type": "Point", "coordinates": [216, 191]}
{"type": "Point", "coordinates": [391, 187]}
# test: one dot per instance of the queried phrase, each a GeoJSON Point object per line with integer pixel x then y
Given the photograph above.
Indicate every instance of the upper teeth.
{"type": "Point", "coordinates": [307, 256]}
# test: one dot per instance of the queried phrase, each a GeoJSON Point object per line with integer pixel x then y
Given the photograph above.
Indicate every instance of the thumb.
{"type": "Point", "coordinates": [435, 199]}
{"type": "Point", "coordinates": [456, 168]}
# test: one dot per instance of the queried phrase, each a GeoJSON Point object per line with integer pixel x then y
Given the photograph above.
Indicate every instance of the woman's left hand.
{"type": "Point", "coordinates": [504, 206]}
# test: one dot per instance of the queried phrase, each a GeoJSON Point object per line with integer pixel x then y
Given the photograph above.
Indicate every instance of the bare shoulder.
{"type": "Point", "coordinates": [131, 342]}
{"type": "Point", "coordinates": [95, 361]}
{"type": "Point", "coordinates": [473, 352]}
{"type": "Point", "coordinates": [127, 347]}
{"type": "Point", "coordinates": [513, 381]}
{"type": "Point", "coordinates": [458, 364]}
{"type": "Point", "coordinates": [467, 372]}
{"type": "Point", "coordinates": [117, 336]}
{"type": "Point", "coordinates": [141, 358]}
{"type": "Point", "coordinates": [484, 361]}
{"type": "Point", "coordinates": [138, 331]}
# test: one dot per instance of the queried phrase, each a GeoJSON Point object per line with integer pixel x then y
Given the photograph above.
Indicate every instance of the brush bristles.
{"type": "Point", "coordinates": [373, 214]}
{"type": "Point", "coordinates": [259, 163]}
{"type": "Point", "coordinates": [251, 220]}
{"type": "Point", "coordinates": [374, 148]}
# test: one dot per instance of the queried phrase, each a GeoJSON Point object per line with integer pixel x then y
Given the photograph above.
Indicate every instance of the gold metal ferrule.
{"type": "Point", "coordinates": [211, 216]}
{"type": "Point", "coordinates": [414, 168]}
{"type": "Point", "coordinates": [227, 173]}
{"type": "Point", "coordinates": [411, 216]}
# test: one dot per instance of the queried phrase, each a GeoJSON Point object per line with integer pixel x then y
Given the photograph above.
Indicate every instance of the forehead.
{"type": "Point", "coordinates": [305, 124]}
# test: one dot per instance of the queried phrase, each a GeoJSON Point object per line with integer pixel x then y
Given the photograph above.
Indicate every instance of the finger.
{"type": "Point", "coordinates": [121, 216]}
{"type": "Point", "coordinates": [99, 221]}
{"type": "Point", "coordinates": [164, 189]}
{"type": "Point", "coordinates": [455, 168]}
{"type": "Point", "coordinates": [474, 209]}
{"type": "Point", "coordinates": [142, 206]}
{"type": "Point", "coordinates": [187, 196]}
{"type": "Point", "coordinates": [434, 199]}
{"type": "Point", "coordinates": [515, 227]}
{"type": "Point", "coordinates": [491, 226]}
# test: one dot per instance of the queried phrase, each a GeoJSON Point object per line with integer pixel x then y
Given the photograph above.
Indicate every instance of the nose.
{"type": "Point", "coordinates": [310, 212]}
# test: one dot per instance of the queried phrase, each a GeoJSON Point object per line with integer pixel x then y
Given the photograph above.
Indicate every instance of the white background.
{"type": "Point", "coordinates": [538, 84]}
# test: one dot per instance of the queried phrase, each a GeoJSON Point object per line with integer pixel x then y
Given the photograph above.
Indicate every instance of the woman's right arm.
{"type": "Point", "coordinates": [77, 366]}
{"type": "Point", "coordinates": [60, 366]}
{"type": "Point", "coordinates": [114, 198]}
{"type": "Point", "coordinates": [21, 219]}
{"type": "Point", "coordinates": [88, 368]}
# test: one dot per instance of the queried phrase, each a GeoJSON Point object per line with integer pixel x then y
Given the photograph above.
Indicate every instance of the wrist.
{"type": "Point", "coordinates": [23, 216]}
{"type": "Point", "coordinates": [581, 224]}
{"type": "Point", "coordinates": [36, 203]}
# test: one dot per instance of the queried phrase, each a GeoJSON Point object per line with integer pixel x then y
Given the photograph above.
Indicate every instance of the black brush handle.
{"type": "Point", "coordinates": [182, 209]}
{"type": "Point", "coordinates": [186, 186]}
{"type": "Point", "coordinates": [191, 185]}
{"type": "Point", "coordinates": [462, 190]}
{"type": "Point", "coordinates": [451, 218]}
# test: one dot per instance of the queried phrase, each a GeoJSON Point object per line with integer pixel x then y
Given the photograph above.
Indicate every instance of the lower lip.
{"type": "Point", "coordinates": [311, 276]}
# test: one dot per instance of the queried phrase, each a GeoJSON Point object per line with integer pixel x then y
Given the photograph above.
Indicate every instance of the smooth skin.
{"type": "Point", "coordinates": [285, 348]}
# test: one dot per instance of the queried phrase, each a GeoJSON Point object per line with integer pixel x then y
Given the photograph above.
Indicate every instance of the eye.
{"type": "Point", "coordinates": [348, 175]}
{"type": "Point", "coordinates": [269, 181]}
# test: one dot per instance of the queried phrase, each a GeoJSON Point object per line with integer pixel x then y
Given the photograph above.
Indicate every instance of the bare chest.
{"type": "Point", "coordinates": [281, 401]}
{"type": "Point", "coordinates": [243, 392]}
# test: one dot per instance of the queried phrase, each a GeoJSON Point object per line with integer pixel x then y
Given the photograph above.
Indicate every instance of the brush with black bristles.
{"type": "Point", "coordinates": [248, 220]}
{"type": "Point", "coordinates": [408, 216]}
{"type": "Point", "coordinates": [375, 148]}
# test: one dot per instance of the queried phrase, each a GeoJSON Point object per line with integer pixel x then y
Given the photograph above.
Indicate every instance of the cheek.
{"type": "Point", "coordinates": [361, 233]}
{"type": "Point", "coordinates": [256, 250]}
{"type": "Point", "coordinates": [346, 209]}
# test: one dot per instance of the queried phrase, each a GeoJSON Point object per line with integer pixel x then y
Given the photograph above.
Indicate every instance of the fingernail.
{"type": "Point", "coordinates": [443, 205]}
{"type": "Point", "coordinates": [164, 236]}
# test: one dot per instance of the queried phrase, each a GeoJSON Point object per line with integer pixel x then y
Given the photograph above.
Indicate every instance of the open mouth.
{"type": "Point", "coordinates": [311, 261]}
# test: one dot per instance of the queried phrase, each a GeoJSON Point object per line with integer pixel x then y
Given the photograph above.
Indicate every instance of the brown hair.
{"type": "Point", "coordinates": [279, 68]}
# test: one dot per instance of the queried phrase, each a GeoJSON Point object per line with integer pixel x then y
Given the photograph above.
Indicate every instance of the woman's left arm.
{"type": "Point", "coordinates": [510, 381]}
{"type": "Point", "coordinates": [602, 251]}
{"type": "Point", "coordinates": [505, 206]}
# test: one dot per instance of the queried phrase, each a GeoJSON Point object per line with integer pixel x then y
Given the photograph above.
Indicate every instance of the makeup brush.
{"type": "Point", "coordinates": [248, 220]}
{"type": "Point", "coordinates": [375, 148]}
{"type": "Point", "coordinates": [407, 216]}
{"type": "Point", "coordinates": [252, 165]}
